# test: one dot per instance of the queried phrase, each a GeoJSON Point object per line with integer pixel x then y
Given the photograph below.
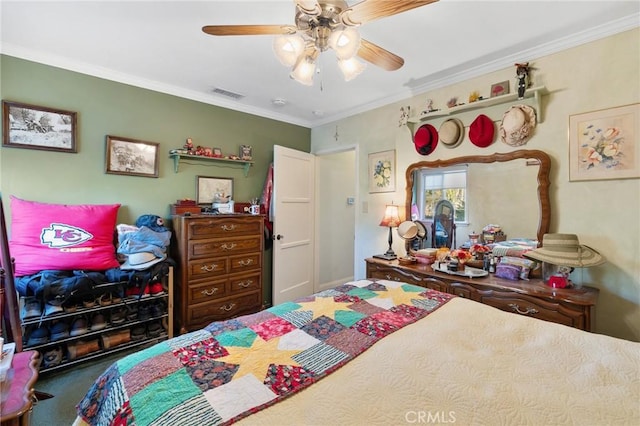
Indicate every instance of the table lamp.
{"type": "Point", "coordinates": [390, 220]}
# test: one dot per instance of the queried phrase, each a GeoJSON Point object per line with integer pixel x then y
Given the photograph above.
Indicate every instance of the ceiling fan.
{"type": "Point", "coordinates": [327, 24]}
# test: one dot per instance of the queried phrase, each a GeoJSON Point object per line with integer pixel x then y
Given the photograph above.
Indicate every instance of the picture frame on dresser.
{"type": "Point", "coordinates": [208, 186]}
{"type": "Point", "coordinates": [38, 127]}
{"type": "Point", "coordinates": [131, 157]}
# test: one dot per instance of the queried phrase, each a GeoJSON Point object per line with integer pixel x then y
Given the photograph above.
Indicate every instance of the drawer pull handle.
{"type": "Point", "coordinates": [228, 307]}
{"type": "Point", "coordinates": [245, 284]}
{"type": "Point", "coordinates": [391, 278]}
{"type": "Point", "coordinates": [245, 262]}
{"type": "Point", "coordinates": [209, 268]}
{"type": "Point", "coordinates": [228, 247]}
{"type": "Point", "coordinates": [211, 292]}
{"type": "Point", "coordinates": [228, 227]}
{"type": "Point", "coordinates": [516, 308]}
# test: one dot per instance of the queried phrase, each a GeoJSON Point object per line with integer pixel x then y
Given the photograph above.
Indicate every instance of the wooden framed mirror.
{"type": "Point", "coordinates": [511, 184]}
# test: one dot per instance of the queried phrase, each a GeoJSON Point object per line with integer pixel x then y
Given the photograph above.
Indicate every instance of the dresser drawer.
{"type": "Point", "coordinates": [393, 274]}
{"type": "Point", "coordinates": [245, 262]}
{"type": "Point", "coordinates": [537, 308]}
{"type": "Point", "coordinates": [222, 309]}
{"type": "Point", "coordinates": [239, 284]}
{"type": "Point", "coordinates": [223, 227]}
{"type": "Point", "coordinates": [207, 291]}
{"type": "Point", "coordinates": [206, 268]}
{"type": "Point", "coordinates": [224, 247]}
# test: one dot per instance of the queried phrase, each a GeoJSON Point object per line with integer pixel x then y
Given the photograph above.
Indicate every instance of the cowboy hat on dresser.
{"type": "Point", "coordinates": [517, 125]}
{"type": "Point", "coordinates": [482, 131]}
{"type": "Point", "coordinates": [426, 139]}
{"type": "Point", "coordinates": [451, 132]}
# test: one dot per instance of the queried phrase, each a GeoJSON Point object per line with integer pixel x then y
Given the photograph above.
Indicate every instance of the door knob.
{"type": "Point", "coordinates": [278, 237]}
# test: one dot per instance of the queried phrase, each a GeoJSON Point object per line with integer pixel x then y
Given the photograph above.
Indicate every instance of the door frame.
{"type": "Point", "coordinates": [356, 261]}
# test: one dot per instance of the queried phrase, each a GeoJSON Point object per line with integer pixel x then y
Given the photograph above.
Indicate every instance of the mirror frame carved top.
{"type": "Point", "coordinates": [541, 158]}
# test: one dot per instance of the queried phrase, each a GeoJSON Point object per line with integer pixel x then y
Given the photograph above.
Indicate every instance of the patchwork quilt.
{"type": "Point", "coordinates": [233, 368]}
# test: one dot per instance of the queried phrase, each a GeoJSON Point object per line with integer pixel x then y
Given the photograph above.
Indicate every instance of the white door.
{"type": "Point", "coordinates": [293, 224]}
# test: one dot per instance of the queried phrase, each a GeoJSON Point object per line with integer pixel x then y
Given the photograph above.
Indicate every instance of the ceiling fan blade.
{"type": "Point", "coordinates": [371, 10]}
{"type": "Point", "coordinates": [231, 30]}
{"type": "Point", "coordinates": [379, 56]}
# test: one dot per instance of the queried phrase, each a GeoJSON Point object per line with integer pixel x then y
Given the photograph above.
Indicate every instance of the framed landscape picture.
{"type": "Point", "coordinates": [131, 157]}
{"type": "Point", "coordinates": [37, 127]}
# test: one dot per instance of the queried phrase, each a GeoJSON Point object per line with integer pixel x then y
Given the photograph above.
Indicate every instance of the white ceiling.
{"type": "Point", "coordinates": [159, 45]}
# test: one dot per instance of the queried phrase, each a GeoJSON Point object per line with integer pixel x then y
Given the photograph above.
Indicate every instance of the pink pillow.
{"type": "Point", "coordinates": [62, 236]}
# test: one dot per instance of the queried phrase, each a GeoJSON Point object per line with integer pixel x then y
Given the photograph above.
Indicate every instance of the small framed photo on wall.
{"type": "Point", "coordinates": [131, 157]}
{"type": "Point", "coordinates": [245, 153]}
{"type": "Point", "coordinates": [382, 171]}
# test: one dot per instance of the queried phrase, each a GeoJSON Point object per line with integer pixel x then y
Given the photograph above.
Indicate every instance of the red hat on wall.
{"type": "Point", "coordinates": [482, 131]}
{"type": "Point", "coordinates": [425, 139]}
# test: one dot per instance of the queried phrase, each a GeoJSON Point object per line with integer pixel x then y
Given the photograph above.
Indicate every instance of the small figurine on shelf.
{"type": "Point", "coordinates": [452, 102]}
{"type": "Point", "coordinates": [188, 146]}
{"type": "Point", "coordinates": [474, 96]}
{"type": "Point", "coordinates": [404, 116]}
{"type": "Point", "coordinates": [522, 74]}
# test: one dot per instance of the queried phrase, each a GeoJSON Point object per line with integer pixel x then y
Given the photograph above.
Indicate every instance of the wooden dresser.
{"type": "Point", "coordinates": [572, 307]}
{"type": "Point", "coordinates": [220, 268]}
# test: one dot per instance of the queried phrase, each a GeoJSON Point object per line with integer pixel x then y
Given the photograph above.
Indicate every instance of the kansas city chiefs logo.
{"type": "Point", "coordinates": [59, 235]}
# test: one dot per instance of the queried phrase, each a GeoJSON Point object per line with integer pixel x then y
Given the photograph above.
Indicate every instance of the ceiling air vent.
{"type": "Point", "coordinates": [227, 93]}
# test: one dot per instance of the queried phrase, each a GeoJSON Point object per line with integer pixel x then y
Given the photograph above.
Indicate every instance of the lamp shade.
{"type": "Point", "coordinates": [288, 48]}
{"type": "Point", "coordinates": [391, 218]}
{"type": "Point", "coordinates": [345, 42]}
{"type": "Point", "coordinates": [350, 68]}
{"type": "Point", "coordinates": [303, 71]}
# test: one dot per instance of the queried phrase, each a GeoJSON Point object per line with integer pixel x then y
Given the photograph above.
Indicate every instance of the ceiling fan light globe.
{"type": "Point", "coordinates": [288, 48]}
{"type": "Point", "coordinates": [351, 68]}
{"type": "Point", "coordinates": [303, 71]}
{"type": "Point", "coordinates": [345, 42]}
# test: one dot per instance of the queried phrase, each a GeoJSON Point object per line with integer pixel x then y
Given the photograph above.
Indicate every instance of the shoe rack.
{"type": "Point", "coordinates": [128, 321]}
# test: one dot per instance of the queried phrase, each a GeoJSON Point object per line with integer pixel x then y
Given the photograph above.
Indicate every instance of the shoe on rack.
{"type": "Point", "coordinates": [50, 309]}
{"type": "Point", "coordinates": [138, 332]}
{"type": "Point", "coordinates": [38, 336]}
{"type": "Point", "coordinates": [98, 322]}
{"type": "Point", "coordinates": [59, 330]}
{"type": "Point", "coordinates": [132, 312]}
{"type": "Point", "coordinates": [81, 348]}
{"type": "Point", "coordinates": [144, 312]}
{"type": "Point", "coordinates": [105, 299]}
{"type": "Point", "coordinates": [137, 292]}
{"type": "Point", "coordinates": [156, 310]}
{"type": "Point", "coordinates": [156, 289]}
{"type": "Point", "coordinates": [32, 308]}
{"type": "Point", "coordinates": [154, 329]}
{"type": "Point", "coordinates": [52, 357]}
{"type": "Point", "coordinates": [118, 316]}
{"type": "Point", "coordinates": [79, 326]}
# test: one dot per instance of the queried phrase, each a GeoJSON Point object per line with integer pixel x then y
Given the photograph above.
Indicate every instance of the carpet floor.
{"type": "Point", "coordinates": [68, 387]}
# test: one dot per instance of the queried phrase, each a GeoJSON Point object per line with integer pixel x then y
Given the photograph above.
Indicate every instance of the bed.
{"type": "Point", "coordinates": [373, 352]}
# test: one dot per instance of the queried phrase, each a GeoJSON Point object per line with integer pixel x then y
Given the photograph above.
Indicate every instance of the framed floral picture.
{"type": "Point", "coordinates": [605, 144]}
{"type": "Point", "coordinates": [382, 171]}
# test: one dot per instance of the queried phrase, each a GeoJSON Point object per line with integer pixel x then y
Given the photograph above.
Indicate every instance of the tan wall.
{"type": "Point", "coordinates": [605, 214]}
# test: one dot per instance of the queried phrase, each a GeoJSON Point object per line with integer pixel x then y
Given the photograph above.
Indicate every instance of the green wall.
{"type": "Point", "coordinates": [108, 108]}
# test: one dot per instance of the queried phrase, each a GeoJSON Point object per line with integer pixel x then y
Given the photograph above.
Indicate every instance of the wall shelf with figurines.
{"type": "Point", "coordinates": [178, 157]}
{"type": "Point", "coordinates": [492, 107]}
{"type": "Point", "coordinates": [199, 153]}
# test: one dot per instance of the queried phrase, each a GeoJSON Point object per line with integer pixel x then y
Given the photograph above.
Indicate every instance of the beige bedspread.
{"type": "Point", "coordinates": [468, 363]}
